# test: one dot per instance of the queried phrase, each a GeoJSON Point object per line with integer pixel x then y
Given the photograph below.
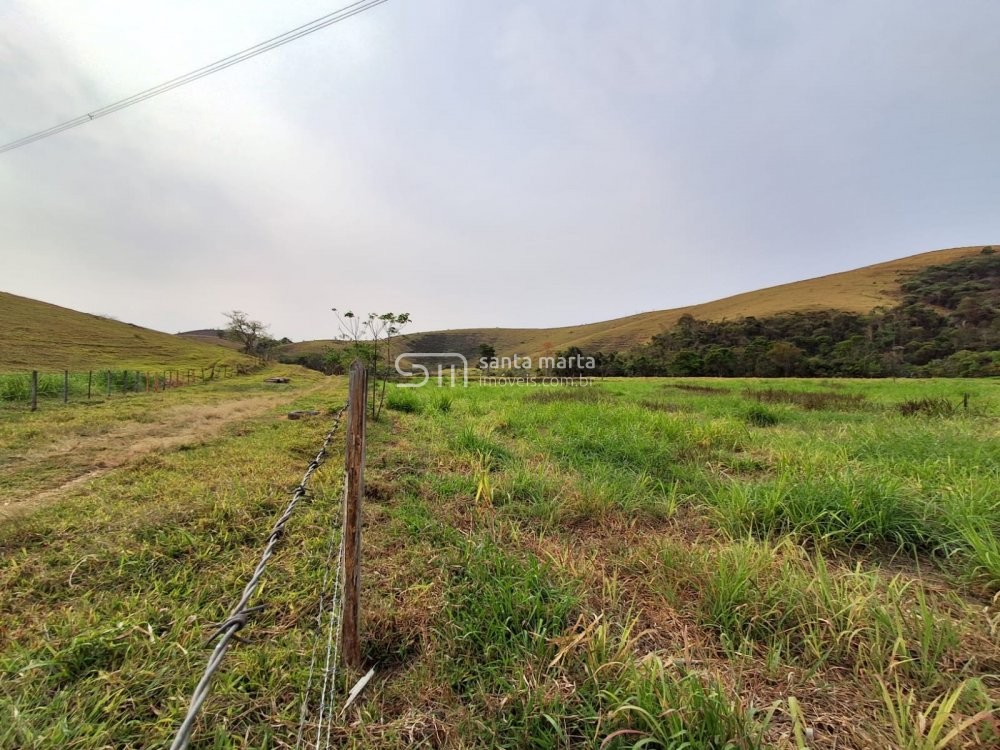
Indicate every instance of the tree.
{"type": "Point", "coordinates": [487, 352]}
{"type": "Point", "coordinates": [244, 330]}
{"type": "Point", "coordinates": [686, 363]}
{"type": "Point", "coordinates": [370, 339]}
{"type": "Point", "coordinates": [970, 311]}
{"type": "Point", "coordinates": [786, 356]}
{"type": "Point", "coordinates": [720, 361]}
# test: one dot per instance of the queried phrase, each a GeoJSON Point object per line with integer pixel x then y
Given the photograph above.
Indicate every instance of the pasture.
{"type": "Point", "coordinates": [641, 563]}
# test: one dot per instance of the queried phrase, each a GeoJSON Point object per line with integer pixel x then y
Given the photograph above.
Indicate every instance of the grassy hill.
{"type": "Point", "coordinates": [858, 291]}
{"type": "Point", "coordinates": [210, 336]}
{"type": "Point", "coordinates": [38, 335]}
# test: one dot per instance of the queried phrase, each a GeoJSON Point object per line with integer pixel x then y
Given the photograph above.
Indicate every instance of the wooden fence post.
{"type": "Point", "coordinates": [90, 383]}
{"type": "Point", "coordinates": [354, 462]}
{"type": "Point", "coordinates": [109, 383]}
{"type": "Point", "coordinates": [34, 390]}
{"type": "Point", "coordinates": [65, 386]}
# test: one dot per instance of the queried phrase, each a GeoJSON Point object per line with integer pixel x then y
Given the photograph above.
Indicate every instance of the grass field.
{"type": "Point", "coordinates": [35, 335]}
{"type": "Point", "coordinates": [645, 563]}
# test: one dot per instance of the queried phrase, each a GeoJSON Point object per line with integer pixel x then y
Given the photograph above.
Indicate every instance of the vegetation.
{"type": "Point", "coordinates": [634, 564]}
{"type": "Point", "coordinates": [369, 340]}
{"type": "Point", "coordinates": [948, 324]}
{"type": "Point", "coordinates": [39, 336]}
{"type": "Point", "coordinates": [250, 334]}
{"type": "Point", "coordinates": [858, 291]}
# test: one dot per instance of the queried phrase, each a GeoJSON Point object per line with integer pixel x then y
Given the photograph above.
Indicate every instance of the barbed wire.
{"type": "Point", "coordinates": [240, 613]}
{"type": "Point", "coordinates": [334, 613]}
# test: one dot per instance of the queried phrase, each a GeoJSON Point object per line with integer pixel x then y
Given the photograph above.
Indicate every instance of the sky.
{"type": "Point", "coordinates": [486, 163]}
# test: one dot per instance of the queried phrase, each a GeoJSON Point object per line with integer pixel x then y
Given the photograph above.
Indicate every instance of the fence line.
{"type": "Point", "coordinates": [241, 612]}
{"type": "Point", "coordinates": [83, 385]}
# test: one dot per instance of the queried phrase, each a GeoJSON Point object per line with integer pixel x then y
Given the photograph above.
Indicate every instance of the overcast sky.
{"type": "Point", "coordinates": [485, 163]}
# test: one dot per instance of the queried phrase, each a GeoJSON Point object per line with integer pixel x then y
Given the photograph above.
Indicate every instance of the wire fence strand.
{"type": "Point", "coordinates": [325, 598]}
{"type": "Point", "coordinates": [240, 613]}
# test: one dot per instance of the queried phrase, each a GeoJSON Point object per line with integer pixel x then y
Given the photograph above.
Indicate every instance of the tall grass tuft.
{"type": "Point", "coordinates": [930, 407]}
{"type": "Point", "coordinates": [845, 510]}
{"type": "Point", "coordinates": [938, 725]}
{"type": "Point", "coordinates": [809, 400]}
{"type": "Point", "coordinates": [760, 416]}
{"type": "Point", "coordinates": [502, 611]}
{"type": "Point", "coordinates": [404, 401]}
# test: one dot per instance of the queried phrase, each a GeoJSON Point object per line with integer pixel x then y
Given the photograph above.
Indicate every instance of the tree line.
{"type": "Point", "coordinates": [946, 324]}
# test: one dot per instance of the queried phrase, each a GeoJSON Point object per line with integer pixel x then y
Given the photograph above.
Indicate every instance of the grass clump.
{"type": "Point", "coordinates": [794, 605]}
{"type": "Point", "coordinates": [809, 400]}
{"type": "Point", "coordinates": [406, 401]}
{"type": "Point", "coordinates": [443, 401]}
{"type": "Point", "coordinates": [844, 510]}
{"type": "Point", "coordinates": [555, 395]}
{"type": "Point", "coordinates": [650, 704]}
{"type": "Point", "coordinates": [760, 416]}
{"type": "Point", "coordinates": [929, 407]}
{"type": "Point", "coordinates": [692, 388]}
{"type": "Point", "coordinates": [941, 723]}
{"type": "Point", "coordinates": [502, 613]}
{"type": "Point", "coordinates": [489, 450]}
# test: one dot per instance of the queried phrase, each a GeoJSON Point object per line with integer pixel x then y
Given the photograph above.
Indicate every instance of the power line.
{"type": "Point", "coordinates": [289, 36]}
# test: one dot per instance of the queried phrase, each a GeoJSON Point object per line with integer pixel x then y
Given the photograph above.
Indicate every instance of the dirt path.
{"type": "Point", "coordinates": [74, 459]}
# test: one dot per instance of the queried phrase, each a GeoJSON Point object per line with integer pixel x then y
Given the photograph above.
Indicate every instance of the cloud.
{"type": "Point", "coordinates": [487, 164]}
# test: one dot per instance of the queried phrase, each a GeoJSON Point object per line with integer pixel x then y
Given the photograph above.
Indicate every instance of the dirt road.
{"type": "Point", "coordinates": [70, 452]}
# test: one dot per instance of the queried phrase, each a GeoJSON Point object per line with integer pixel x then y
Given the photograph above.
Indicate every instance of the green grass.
{"type": "Point", "coordinates": [633, 565]}
{"type": "Point", "coordinates": [39, 336]}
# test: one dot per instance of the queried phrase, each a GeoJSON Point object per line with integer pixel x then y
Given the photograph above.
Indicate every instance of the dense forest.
{"type": "Point", "coordinates": [947, 324]}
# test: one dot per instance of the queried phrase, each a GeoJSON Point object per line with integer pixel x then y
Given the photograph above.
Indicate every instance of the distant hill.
{"type": "Point", "coordinates": [212, 336]}
{"type": "Point", "coordinates": [39, 335]}
{"type": "Point", "coordinates": [857, 291]}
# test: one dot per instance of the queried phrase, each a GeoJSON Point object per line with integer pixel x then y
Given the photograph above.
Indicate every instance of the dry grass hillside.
{"type": "Point", "coordinates": [210, 336]}
{"type": "Point", "coordinates": [38, 335]}
{"type": "Point", "coordinates": [859, 290]}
